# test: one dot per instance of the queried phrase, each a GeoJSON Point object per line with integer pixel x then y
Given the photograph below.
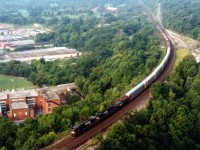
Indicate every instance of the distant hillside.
{"type": "Point", "coordinates": [180, 15]}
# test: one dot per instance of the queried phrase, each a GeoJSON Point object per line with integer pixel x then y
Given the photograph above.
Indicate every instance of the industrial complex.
{"type": "Point", "coordinates": [48, 54]}
{"type": "Point", "coordinates": [11, 39]}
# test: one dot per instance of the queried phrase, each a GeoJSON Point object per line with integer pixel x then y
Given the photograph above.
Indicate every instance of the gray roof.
{"type": "Point", "coordinates": [19, 105]}
{"type": "Point", "coordinates": [18, 94]}
{"type": "Point", "coordinates": [48, 94]}
{"type": "Point", "coordinates": [22, 42]}
{"type": "Point", "coordinates": [38, 53]}
{"type": "Point", "coordinates": [9, 38]}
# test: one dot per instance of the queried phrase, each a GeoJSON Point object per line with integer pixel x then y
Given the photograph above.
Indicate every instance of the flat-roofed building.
{"type": "Point", "coordinates": [3, 45]}
{"type": "Point", "coordinates": [20, 111]}
{"type": "Point", "coordinates": [23, 42]}
{"type": "Point", "coordinates": [49, 100]}
{"type": "Point", "coordinates": [23, 104]}
{"type": "Point", "coordinates": [49, 54]}
{"type": "Point", "coordinates": [10, 38]}
{"type": "Point", "coordinates": [11, 45]}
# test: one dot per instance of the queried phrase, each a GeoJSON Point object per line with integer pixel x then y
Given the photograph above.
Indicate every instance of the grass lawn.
{"type": "Point", "coordinates": [11, 82]}
{"type": "Point", "coordinates": [180, 54]}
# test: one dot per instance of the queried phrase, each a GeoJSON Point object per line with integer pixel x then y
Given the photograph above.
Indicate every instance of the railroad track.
{"type": "Point", "coordinates": [72, 143]}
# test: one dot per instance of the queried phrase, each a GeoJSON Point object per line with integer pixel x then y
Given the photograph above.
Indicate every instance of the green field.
{"type": "Point", "coordinates": [11, 82]}
{"type": "Point", "coordinates": [180, 54]}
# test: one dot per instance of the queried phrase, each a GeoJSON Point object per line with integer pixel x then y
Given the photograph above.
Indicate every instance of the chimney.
{"type": "Point", "coordinates": [8, 100]}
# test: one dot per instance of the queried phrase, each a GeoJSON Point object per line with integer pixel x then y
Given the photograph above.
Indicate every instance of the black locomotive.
{"type": "Point", "coordinates": [93, 120]}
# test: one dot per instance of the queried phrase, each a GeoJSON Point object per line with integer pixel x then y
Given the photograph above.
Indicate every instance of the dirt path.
{"type": "Point", "coordinates": [177, 40]}
{"type": "Point", "coordinates": [183, 42]}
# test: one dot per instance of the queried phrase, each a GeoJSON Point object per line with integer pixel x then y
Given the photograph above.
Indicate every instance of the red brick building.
{"type": "Point", "coordinates": [20, 111]}
{"type": "Point", "coordinates": [4, 45]}
{"type": "Point", "coordinates": [20, 105]}
{"type": "Point", "coordinates": [47, 100]}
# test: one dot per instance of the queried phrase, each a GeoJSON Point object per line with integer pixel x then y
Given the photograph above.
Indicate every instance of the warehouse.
{"type": "Point", "coordinates": [49, 54]}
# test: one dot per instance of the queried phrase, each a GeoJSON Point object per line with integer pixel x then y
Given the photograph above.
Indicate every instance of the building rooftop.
{"type": "Point", "coordinates": [5, 26]}
{"type": "Point", "coordinates": [38, 53]}
{"type": "Point", "coordinates": [112, 8]}
{"type": "Point", "coordinates": [49, 94]}
{"type": "Point", "coordinates": [3, 96]}
{"type": "Point", "coordinates": [9, 38]}
{"type": "Point", "coordinates": [22, 42]}
{"type": "Point", "coordinates": [18, 94]}
{"type": "Point", "coordinates": [19, 105]}
{"type": "Point", "coordinates": [70, 86]}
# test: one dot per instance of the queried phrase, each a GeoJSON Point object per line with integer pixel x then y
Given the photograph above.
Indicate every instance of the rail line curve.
{"type": "Point", "coordinates": [102, 120]}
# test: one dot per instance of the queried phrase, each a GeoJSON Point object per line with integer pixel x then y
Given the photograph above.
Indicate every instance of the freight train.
{"type": "Point", "coordinates": [129, 96]}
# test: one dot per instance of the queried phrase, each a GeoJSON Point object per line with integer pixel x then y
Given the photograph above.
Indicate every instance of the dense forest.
{"type": "Point", "coordinates": [116, 56]}
{"type": "Point", "coordinates": [104, 50]}
{"type": "Point", "coordinates": [187, 13]}
{"type": "Point", "coordinates": [48, 12]}
{"type": "Point", "coordinates": [171, 120]}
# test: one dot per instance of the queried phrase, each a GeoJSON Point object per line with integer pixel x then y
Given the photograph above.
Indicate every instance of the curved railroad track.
{"type": "Point", "coordinates": [72, 143]}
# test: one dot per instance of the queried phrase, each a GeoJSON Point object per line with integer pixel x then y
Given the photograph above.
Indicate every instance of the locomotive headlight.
{"type": "Point", "coordinates": [72, 132]}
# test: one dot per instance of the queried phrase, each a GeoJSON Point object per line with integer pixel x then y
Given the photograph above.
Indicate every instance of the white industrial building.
{"type": "Point", "coordinates": [48, 54]}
